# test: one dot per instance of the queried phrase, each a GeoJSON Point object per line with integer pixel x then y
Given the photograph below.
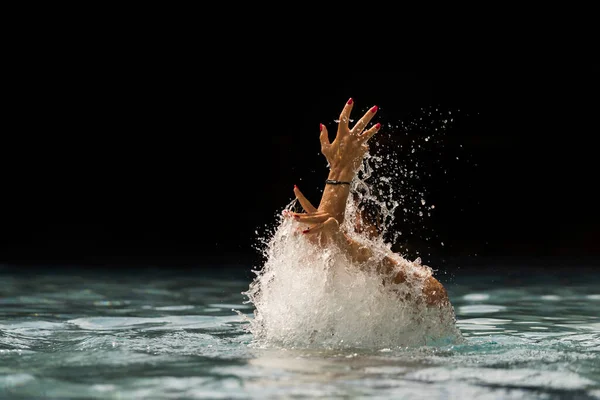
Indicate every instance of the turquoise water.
{"type": "Point", "coordinates": [157, 334]}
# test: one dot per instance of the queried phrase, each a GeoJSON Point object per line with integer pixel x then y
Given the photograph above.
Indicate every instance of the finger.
{"type": "Point", "coordinates": [316, 218]}
{"type": "Point", "coordinates": [306, 205]}
{"type": "Point", "coordinates": [311, 214]}
{"type": "Point", "coordinates": [331, 223]}
{"type": "Point", "coordinates": [362, 123]}
{"type": "Point", "coordinates": [324, 137]}
{"type": "Point", "coordinates": [345, 117]}
{"type": "Point", "coordinates": [370, 132]}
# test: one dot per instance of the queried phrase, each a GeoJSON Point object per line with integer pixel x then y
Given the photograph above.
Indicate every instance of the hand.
{"type": "Point", "coordinates": [318, 221]}
{"type": "Point", "coordinates": [324, 229]}
{"type": "Point", "coordinates": [346, 152]}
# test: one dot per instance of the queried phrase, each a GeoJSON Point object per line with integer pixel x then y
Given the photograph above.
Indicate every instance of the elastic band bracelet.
{"type": "Point", "coordinates": [332, 182]}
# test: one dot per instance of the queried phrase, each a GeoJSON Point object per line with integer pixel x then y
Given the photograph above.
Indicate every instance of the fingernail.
{"type": "Point", "coordinates": [377, 125]}
{"type": "Point", "coordinates": [306, 230]}
{"type": "Point", "coordinates": [295, 187]}
{"type": "Point", "coordinates": [350, 100]}
{"type": "Point", "coordinates": [297, 216]}
{"type": "Point", "coordinates": [374, 109]}
{"type": "Point", "coordinates": [321, 127]}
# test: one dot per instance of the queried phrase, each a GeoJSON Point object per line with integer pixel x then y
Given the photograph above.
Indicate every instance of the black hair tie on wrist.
{"type": "Point", "coordinates": [333, 182]}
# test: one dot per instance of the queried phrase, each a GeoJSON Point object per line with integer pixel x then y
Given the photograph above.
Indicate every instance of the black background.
{"type": "Point", "coordinates": [117, 157]}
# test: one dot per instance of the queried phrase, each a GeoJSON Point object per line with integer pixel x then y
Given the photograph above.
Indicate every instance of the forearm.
{"type": "Point", "coordinates": [335, 197]}
{"type": "Point", "coordinates": [344, 156]}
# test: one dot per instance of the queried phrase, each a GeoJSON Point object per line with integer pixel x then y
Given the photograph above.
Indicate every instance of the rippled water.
{"type": "Point", "coordinates": [173, 334]}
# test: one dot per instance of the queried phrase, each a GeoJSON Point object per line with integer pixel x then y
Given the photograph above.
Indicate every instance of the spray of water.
{"type": "Point", "coordinates": [307, 296]}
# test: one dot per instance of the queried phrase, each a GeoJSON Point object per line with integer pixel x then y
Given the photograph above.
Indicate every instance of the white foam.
{"type": "Point", "coordinates": [310, 297]}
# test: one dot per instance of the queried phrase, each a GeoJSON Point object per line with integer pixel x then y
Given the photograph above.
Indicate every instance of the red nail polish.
{"type": "Point", "coordinates": [295, 187]}
{"type": "Point", "coordinates": [321, 127]}
{"type": "Point", "coordinates": [305, 231]}
{"type": "Point", "coordinates": [350, 100]}
{"type": "Point", "coordinates": [297, 216]}
{"type": "Point", "coordinates": [374, 109]}
{"type": "Point", "coordinates": [377, 125]}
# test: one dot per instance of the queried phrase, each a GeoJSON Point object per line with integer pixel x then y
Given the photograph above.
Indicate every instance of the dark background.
{"type": "Point", "coordinates": [119, 158]}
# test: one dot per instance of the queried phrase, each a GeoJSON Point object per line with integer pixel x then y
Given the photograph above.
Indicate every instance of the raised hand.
{"type": "Point", "coordinates": [345, 156]}
{"type": "Point", "coordinates": [346, 152]}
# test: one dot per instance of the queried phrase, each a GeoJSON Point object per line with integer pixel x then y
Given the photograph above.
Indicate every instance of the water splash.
{"type": "Point", "coordinates": [416, 158]}
{"type": "Point", "coordinates": [305, 296]}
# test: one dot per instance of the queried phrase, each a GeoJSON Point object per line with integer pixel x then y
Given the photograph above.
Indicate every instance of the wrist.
{"type": "Point", "coordinates": [341, 174]}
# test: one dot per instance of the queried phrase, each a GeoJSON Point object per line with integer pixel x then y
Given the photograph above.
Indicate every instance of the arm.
{"type": "Point", "coordinates": [344, 156]}
{"type": "Point", "coordinates": [324, 229]}
{"type": "Point", "coordinates": [328, 229]}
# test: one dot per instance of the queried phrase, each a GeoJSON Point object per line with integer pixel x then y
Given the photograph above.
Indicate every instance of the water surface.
{"type": "Point", "coordinates": [149, 333]}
